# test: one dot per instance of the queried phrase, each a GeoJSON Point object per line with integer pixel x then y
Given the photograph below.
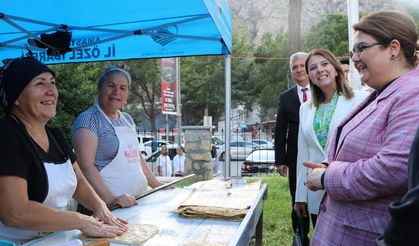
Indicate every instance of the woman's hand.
{"type": "Point", "coordinates": [314, 179]}
{"type": "Point", "coordinates": [158, 184]}
{"type": "Point", "coordinates": [125, 201]}
{"type": "Point", "coordinates": [314, 165]}
{"type": "Point", "coordinates": [96, 228]}
{"type": "Point", "coordinates": [300, 209]}
{"type": "Point", "coordinates": [103, 214]}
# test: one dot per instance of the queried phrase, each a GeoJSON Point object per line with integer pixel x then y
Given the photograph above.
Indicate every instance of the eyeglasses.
{"type": "Point", "coordinates": [360, 48]}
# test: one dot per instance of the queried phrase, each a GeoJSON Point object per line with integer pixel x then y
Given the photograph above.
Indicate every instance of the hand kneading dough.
{"type": "Point", "coordinates": [136, 234]}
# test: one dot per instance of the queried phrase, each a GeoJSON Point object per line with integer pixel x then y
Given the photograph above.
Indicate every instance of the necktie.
{"type": "Point", "coordinates": [304, 94]}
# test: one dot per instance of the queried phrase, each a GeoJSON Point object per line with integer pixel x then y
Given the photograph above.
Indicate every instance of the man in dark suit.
{"type": "Point", "coordinates": [286, 130]}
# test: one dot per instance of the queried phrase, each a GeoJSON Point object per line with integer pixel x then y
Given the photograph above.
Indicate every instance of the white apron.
{"type": "Point", "coordinates": [124, 173]}
{"type": "Point", "coordinates": [62, 183]}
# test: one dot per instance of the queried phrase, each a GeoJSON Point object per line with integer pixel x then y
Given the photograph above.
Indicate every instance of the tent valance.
{"type": "Point", "coordinates": [109, 30]}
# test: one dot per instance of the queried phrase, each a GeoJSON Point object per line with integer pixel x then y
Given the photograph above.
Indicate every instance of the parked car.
{"type": "Point", "coordinates": [152, 158]}
{"type": "Point", "coordinates": [239, 150]}
{"type": "Point", "coordinates": [142, 139]}
{"type": "Point", "coordinates": [217, 141]}
{"type": "Point", "coordinates": [147, 148]}
{"type": "Point", "coordinates": [259, 161]}
{"type": "Point", "coordinates": [263, 144]}
{"type": "Point", "coordinates": [218, 145]}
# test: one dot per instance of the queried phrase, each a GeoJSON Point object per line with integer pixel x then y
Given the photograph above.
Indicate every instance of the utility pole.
{"type": "Point", "coordinates": [353, 17]}
{"type": "Point", "coordinates": [178, 103]}
{"type": "Point", "coordinates": [294, 29]}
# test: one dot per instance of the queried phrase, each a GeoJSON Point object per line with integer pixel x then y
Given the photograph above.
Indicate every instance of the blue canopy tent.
{"type": "Point", "coordinates": [88, 31]}
{"type": "Point", "coordinates": [105, 30]}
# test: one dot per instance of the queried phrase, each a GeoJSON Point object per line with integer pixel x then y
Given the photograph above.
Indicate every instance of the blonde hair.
{"type": "Point", "coordinates": [342, 87]}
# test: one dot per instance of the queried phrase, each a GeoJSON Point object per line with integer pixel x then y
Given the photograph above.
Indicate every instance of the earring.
{"type": "Point", "coordinates": [392, 57]}
{"type": "Point", "coordinates": [16, 103]}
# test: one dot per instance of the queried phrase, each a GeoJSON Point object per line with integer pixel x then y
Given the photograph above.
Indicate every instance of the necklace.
{"type": "Point", "coordinates": [322, 119]}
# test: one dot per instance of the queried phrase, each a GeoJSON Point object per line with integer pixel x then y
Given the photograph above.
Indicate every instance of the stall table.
{"type": "Point", "coordinates": [175, 230]}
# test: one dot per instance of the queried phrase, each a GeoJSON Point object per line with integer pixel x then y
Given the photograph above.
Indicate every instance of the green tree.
{"type": "Point", "coordinates": [202, 88]}
{"type": "Point", "coordinates": [414, 12]}
{"type": "Point", "coordinates": [330, 33]}
{"type": "Point", "coordinates": [143, 101]}
{"type": "Point", "coordinates": [244, 85]}
{"type": "Point", "coordinates": [270, 74]}
{"type": "Point", "coordinates": [76, 85]}
{"type": "Point", "coordinates": [203, 82]}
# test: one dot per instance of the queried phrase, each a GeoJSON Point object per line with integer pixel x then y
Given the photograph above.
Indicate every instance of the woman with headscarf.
{"type": "Point", "coordinates": [38, 170]}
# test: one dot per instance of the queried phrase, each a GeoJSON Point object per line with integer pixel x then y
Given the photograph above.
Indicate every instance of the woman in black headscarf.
{"type": "Point", "coordinates": [38, 170]}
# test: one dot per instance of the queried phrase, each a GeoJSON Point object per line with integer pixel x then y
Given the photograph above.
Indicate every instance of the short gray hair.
{"type": "Point", "coordinates": [108, 72]}
{"type": "Point", "coordinates": [297, 55]}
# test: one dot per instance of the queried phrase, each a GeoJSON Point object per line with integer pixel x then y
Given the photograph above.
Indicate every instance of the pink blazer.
{"type": "Point", "coordinates": [368, 165]}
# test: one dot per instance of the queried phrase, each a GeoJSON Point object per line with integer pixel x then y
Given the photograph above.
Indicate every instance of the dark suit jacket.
{"type": "Point", "coordinates": [286, 129]}
{"type": "Point", "coordinates": [403, 227]}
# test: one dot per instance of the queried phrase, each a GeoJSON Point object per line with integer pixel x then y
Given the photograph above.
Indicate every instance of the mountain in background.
{"type": "Point", "coordinates": [253, 18]}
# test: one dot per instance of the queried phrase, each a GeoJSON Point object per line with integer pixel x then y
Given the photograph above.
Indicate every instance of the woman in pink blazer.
{"type": "Point", "coordinates": [332, 99]}
{"type": "Point", "coordinates": [369, 150]}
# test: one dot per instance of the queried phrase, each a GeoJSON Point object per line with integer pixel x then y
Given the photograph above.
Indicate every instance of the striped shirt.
{"type": "Point", "coordinates": [108, 143]}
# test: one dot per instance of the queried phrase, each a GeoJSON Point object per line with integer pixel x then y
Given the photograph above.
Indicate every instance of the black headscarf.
{"type": "Point", "coordinates": [15, 75]}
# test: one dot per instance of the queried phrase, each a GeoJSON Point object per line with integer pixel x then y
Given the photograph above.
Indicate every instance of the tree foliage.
{"type": "Point", "coordinates": [258, 74]}
{"type": "Point", "coordinates": [245, 87]}
{"type": "Point", "coordinates": [203, 82]}
{"type": "Point", "coordinates": [143, 101]}
{"type": "Point", "coordinates": [270, 74]}
{"type": "Point", "coordinates": [330, 33]}
{"type": "Point", "coordinates": [76, 85]}
{"type": "Point", "coordinates": [414, 12]}
{"type": "Point", "coordinates": [202, 88]}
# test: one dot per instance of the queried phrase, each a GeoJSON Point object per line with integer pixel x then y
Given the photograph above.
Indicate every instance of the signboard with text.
{"type": "Point", "coordinates": [168, 85]}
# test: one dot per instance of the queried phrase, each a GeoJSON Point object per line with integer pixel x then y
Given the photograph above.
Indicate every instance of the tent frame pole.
{"type": "Point", "coordinates": [227, 164]}
{"type": "Point", "coordinates": [151, 31]}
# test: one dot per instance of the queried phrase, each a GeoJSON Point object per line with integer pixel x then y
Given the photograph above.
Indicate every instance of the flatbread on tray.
{"type": "Point", "coordinates": [219, 202]}
{"type": "Point", "coordinates": [136, 234]}
{"type": "Point", "coordinates": [212, 212]}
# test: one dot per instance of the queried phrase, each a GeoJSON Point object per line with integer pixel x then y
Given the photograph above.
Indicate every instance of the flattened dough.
{"type": "Point", "coordinates": [136, 234]}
